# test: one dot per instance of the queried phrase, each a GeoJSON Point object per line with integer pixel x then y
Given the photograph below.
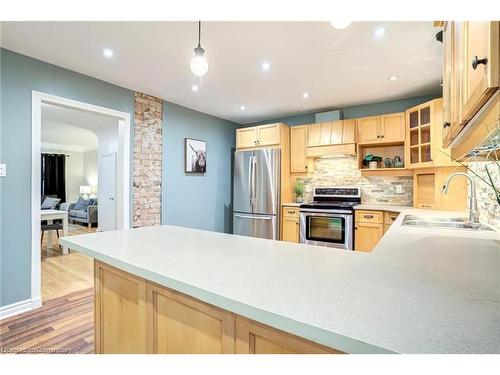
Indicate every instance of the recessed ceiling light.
{"type": "Point", "coordinates": [340, 24]}
{"type": "Point", "coordinates": [195, 88]}
{"type": "Point", "coordinates": [393, 78]}
{"type": "Point", "coordinates": [266, 66]}
{"type": "Point", "coordinates": [379, 32]}
{"type": "Point", "coordinates": [108, 53]}
{"type": "Point", "coordinates": [305, 95]}
{"type": "Point", "coordinates": [242, 107]}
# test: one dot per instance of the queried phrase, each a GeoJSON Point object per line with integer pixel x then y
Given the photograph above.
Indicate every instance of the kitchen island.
{"type": "Point", "coordinates": [176, 290]}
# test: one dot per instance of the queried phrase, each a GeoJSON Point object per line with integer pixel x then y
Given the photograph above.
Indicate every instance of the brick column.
{"type": "Point", "coordinates": [147, 160]}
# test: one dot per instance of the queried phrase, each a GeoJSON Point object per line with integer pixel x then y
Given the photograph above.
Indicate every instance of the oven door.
{"type": "Point", "coordinates": [327, 228]}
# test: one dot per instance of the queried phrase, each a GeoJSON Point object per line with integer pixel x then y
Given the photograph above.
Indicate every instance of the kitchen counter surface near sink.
{"type": "Point", "coordinates": [419, 291]}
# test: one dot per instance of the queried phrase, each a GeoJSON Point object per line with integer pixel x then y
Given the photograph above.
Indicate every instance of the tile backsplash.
{"type": "Point", "coordinates": [343, 171]}
{"type": "Point", "coordinates": [488, 206]}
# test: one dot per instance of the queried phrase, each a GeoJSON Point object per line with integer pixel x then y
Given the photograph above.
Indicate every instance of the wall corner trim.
{"type": "Point", "coordinates": [19, 307]}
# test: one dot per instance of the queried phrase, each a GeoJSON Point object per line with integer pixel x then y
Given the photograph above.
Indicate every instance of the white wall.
{"type": "Point", "coordinates": [90, 170]}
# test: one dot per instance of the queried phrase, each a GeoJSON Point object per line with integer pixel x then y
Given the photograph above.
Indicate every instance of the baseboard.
{"type": "Point", "coordinates": [19, 307]}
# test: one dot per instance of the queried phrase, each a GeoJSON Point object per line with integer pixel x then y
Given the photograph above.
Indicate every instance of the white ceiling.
{"type": "Point", "coordinates": [72, 129]}
{"type": "Point", "coordinates": [337, 67]}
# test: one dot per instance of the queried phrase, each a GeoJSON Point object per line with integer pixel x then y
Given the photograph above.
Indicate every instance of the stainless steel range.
{"type": "Point", "coordinates": [329, 219]}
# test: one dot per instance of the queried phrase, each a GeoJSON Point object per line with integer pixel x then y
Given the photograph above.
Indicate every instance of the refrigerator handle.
{"type": "Point", "coordinates": [254, 183]}
{"type": "Point", "coordinates": [253, 217]}
{"type": "Point", "coordinates": [250, 169]}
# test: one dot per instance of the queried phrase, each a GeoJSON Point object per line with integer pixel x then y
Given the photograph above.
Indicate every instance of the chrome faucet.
{"type": "Point", "coordinates": [473, 209]}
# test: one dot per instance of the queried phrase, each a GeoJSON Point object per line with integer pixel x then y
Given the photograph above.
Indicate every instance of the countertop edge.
{"type": "Point", "coordinates": [318, 335]}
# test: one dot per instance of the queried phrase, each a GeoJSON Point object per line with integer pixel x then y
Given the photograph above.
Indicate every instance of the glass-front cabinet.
{"type": "Point", "coordinates": [419, 133]}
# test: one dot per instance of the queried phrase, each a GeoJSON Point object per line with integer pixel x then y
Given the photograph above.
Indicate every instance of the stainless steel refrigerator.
{"type": "Point", "coordinates": [256, 187]}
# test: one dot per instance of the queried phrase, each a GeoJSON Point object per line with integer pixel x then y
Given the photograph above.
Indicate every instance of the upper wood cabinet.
{"type": "Point", "coordinates": [392, 127]}
{"type": "Point", "coordinates": [349, 131]}
{"type": "Point", "coordinates": [298, 144]}
{"type": "Point", "coordinates": [381, 129]}
{"type": "Point", "coordinates": [259, 136]}
{"type": "Point", "coordinates": [470, 72]}
{"type": "Point", "coordinates": [480, 75]}
{"type": "Point", "coordinates": [424, 137]}
{"type": "Point", "coordinates": [369, 129]}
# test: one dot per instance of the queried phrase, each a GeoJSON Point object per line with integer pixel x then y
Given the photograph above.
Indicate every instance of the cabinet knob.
{"type": "Point", "coordinates": [476, 61]}
{"type": "Point", "coordinates": [446, 125]}
{"type": "Point", "coordinates": [378, 136]}
{"type": "Point", "coordinates": [382, 136]}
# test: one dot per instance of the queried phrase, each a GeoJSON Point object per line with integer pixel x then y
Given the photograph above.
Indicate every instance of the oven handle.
{"type": "Point", "coordinates": [331, 212]}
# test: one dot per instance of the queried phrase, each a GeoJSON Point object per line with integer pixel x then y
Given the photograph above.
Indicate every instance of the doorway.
{"type": "Point", "coordinates": [116, 188]}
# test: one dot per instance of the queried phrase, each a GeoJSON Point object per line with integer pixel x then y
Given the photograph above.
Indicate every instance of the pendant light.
{"type": "Point", "coordinates": [199, 66]}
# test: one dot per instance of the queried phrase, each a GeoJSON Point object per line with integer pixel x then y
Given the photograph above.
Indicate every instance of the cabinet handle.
{"type": "Point", "coordinates": [446, 124]}
{"type": "Point", "coordinates": [378, 136]}
{"type": "Point", "coordinates": [291, 212]}
{"type": "Point", "coordinates": [382, 136]}
{"type": "Point", "coordinates": [393, 218]}
{"type": "Point", "coordinates": [355, 228]}
{"type": "Point", "coordinates": [368, 216]}
{"type": "Point", "coordinates": [476, 61]}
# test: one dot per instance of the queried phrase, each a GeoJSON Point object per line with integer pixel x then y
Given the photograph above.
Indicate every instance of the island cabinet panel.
{"type": "Point", "coordinates": [178, 324]}
{"type": "Point", "coordinates": [120, 311]}
{"type": "Point", "coordinates": [256, 338]}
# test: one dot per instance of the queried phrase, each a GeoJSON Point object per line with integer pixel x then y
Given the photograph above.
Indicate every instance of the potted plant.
{"type": "Point", "coordinates": [298, 189]}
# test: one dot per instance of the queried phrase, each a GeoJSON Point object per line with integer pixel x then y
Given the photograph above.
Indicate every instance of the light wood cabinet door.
{"type": "Point", "coordinates": [255, 338]}
{"type": "Point", "coordinates": [392, 127]}
{"type": "Point", "coordinates": [120, 314]}
{"type": "Point", "coordinates": [349, 131]}
{"type": "Point", "coordinates": [481, 64]}
{"type": "Point", "coordinates": [369, 129]}
{"type": "Point", "coordinates": [298, 144]}
{"type": "Point", "coordinates": [314, 135]}
{"type": "Point", "coordinates": [268, 135]}
{"type": "Point", "coordinates": [290, 229]}
{"type": "Point", "coordinates": [246, 137]}
{"type": "Point", "coordinates": [367, 236]}
{"type": "Point", "coordinates": [336, 132]}
{"type": "Point", "coordinates": [178, 324]}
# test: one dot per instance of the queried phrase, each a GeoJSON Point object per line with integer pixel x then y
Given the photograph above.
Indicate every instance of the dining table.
{"type": "Point", "coordinates": [50, 216]}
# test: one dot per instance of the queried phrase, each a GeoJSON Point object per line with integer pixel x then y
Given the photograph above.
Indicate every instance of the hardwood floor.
{"type": "Point", "coordinates": [65, 274]}
{"type": "Point", "coordinates": [61, 325]}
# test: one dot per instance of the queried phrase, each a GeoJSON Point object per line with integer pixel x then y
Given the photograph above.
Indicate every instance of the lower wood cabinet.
{"type": "Point", "coordinates": [256, 338]}
{"type": "Point", "coordinates": [120, 311]}
{"type": "Point", "coordinates": [178, 324]}
{"type": "Point", "coordinates": [133, 315]}
{"type": "Point", "coordinates": [368, 229]}
{"type": "Point", "coordinates": [290, 224]}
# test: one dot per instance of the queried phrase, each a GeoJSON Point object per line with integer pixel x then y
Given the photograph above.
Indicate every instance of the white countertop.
{"type": "Point", "coordinates": [292, 204]}
{"type": "Point", "coordinates": [419, 291]}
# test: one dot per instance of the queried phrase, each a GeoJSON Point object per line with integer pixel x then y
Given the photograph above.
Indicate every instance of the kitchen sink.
{"type": "Point", "coordinates": [441, 222]}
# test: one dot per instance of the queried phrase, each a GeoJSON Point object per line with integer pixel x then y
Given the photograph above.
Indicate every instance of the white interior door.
{"type": "Point", "coordinates": [107, 192]}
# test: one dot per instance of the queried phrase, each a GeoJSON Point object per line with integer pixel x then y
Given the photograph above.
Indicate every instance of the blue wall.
{"type": "Point", "coordinates": [19, 76]}
{"type": "Point", "coordinates": [355, 111]}
{"type": "Point", "coordinates": [197, 201]}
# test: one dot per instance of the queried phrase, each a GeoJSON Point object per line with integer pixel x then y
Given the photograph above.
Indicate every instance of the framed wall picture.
{"type": "Point", "coordinates": [196, 156]}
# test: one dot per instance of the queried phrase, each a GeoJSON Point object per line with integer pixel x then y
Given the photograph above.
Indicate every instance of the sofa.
{"type": "Point", "coordinates": [83, 211]}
